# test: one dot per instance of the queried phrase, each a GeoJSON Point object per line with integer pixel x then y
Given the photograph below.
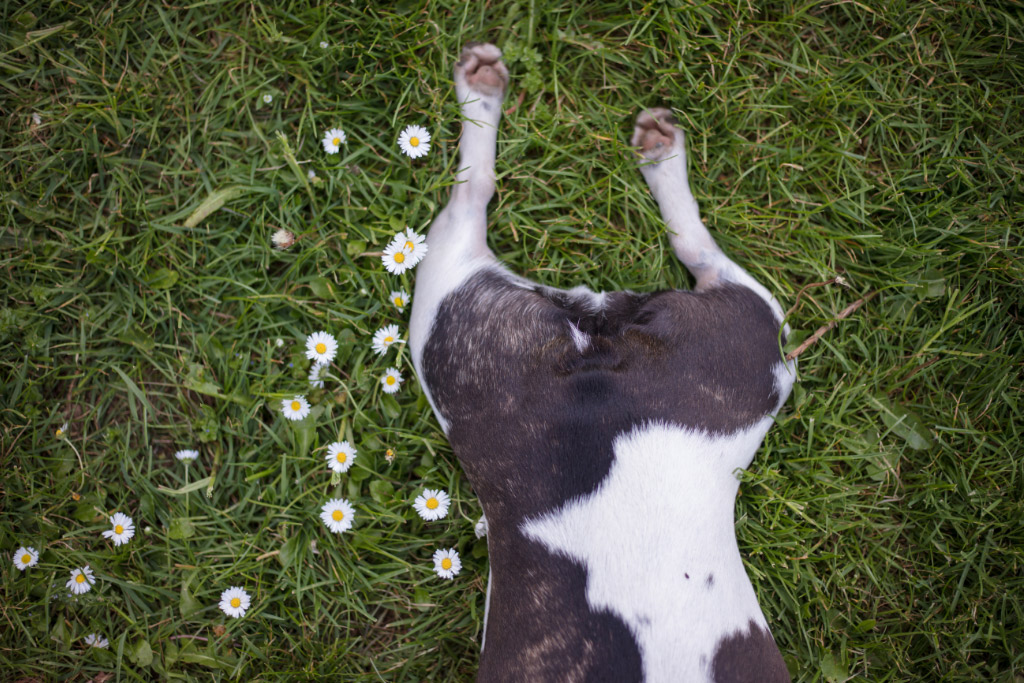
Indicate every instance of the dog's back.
{"type": "Point", "coordinates": [538, 388]}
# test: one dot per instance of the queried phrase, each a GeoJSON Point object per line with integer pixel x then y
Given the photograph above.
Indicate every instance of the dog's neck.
{"type": "Point", "coordinates": [657, 541]}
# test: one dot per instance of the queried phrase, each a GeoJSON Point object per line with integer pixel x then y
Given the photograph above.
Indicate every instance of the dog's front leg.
{"type": "Point", "coordinates": [457, 240]}
{"type": "Point", "coordinates": [662, 144]}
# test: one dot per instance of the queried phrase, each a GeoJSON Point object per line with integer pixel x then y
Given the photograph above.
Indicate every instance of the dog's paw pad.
{"type": "Point", "coordinates": [481, 69]}
{"type": "Point", "coordinates": [655, 134]}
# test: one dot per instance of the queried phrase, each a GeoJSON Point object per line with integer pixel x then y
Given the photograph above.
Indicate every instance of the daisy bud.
{"type": "Point", "coordinates": [283, 239]}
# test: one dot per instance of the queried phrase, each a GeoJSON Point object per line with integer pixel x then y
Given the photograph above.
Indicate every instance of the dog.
{"type": "Point", "coordinates": [601, 431]}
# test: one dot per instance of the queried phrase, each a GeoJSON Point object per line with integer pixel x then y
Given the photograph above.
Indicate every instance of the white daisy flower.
{"type": "Point", "coordinates": [187, 455]}
{"type": "Point", "coordinates": [447, 563]}
{"type": "Point", "coordinates": [268, 98]}
{"type": "Point", "coordinates": [96, 640]}
{"type": "Point", "coordinates": [317, 373]}
{"type": "Point", "coordinates": [282, 239]}
{"type": "Point", "coordinates": [384, 338]}
{"type": "Point", "coordinates": [395, 259]}
{"type": "Point", "coordinates": [81, 580]}
{"type": "Point", "coordinates": [26, 557]}
{"type": "Point", "coordinates": [413, 244]}
{"type": "Point", "coordinates": [321, 347]}
{"type": "Point", "coordinates": [337, 515]}
{"type": "Point", "coordinates": [400, 299]}
{"type": "Point", "coordinates": [296, 408]}
{"type": "Point", "coordinates": [414, 141]}
{"type": "Point", "coordinates": [391, 381]}
{"type": "Point", "coordinates": [234, 602]}
{"type": "Point", "coordinates": [62, 431]}
{"type": "Point", "coordinates": [333, 140]}
{"type": "Point", "coordinates": [123, 529]}
{"type": "Point", "coordinates": [432, 504]}
{"type": "Point", "coordinates": [340, 456]}
{"type": "Point", "coordinates": [323, 44]}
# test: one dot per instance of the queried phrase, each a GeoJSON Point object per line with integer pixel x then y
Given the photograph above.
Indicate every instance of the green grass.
{"type": "Point", "coordinates": [882, 520]}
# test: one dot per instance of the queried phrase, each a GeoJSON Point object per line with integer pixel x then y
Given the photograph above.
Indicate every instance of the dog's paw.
{"type": "Point", "coordinates": [655, 135]}
{"type": "Point", "coordinates": [481, 72]}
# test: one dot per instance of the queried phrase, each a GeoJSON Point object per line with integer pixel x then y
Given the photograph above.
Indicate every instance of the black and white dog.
{"type": "Point", "coordinates": [602, 432]}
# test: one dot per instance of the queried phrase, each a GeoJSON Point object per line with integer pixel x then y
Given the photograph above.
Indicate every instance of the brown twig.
{"type": "Point", "coordinates": [820, 332]}
{"type": "Point", "coordinates": [804, 289]}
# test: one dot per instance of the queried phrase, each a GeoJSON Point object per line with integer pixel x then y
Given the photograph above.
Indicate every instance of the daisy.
{"type": "Point", "coordinates": [340, 456]}
{"type": "Point", "coordinates": [323, 44]}
{"type": "Point", "coordinates": [282, 239]}
{"type": "Point", "coordinates": [447, 563]}
{"type": "Point", "coordinates": [81, 580]}
{"type": "Point", "coordinates": [295, 408]}
{"type": "Point", "coordinates": [234, 601]}
{"type": "Point", "coordinates": [333, 140]}
{"type": "Point", "coordinates": [391, 380]}
{"type": "Point", "coordinates": [268, 98]}
{"type": "Point", "coordinates": [432, 504]}
{"type": "Point", "coordinates": [317, 373]}
{"type": "Point", "coordinates": [62, 431]}
{"type": "Point", "coordinates": [186, 455]}
{"type": "Point", "coordinates": [413, 244]}
{"type": "Point", "coordinates": [414, 141]}
{"type": "Point", "coordinates": [123, 529]}
{"type": "Point", "coordinates": [384, 338]}
{"type": "Point", "coordinates": [400, 299]}
{"type": "Point", "coordinates": [26, 557]}
{"type": "Point", "coordinates": [321, 347]}
{"type": "Point", "coordinates": [96, 640]}
{"type": "Point", "coordinates": [395, 259]}
{"type": "Point", "coordinates": [337, 515]}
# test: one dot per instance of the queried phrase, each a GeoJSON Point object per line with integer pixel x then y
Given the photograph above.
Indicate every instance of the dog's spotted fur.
{"type": "Point", "coordinates": [601, 433]}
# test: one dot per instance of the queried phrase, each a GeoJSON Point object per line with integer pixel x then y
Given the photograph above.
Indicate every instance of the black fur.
{"type": "Point", "coordinates": [749, 657]}
{"type": "Point", "coordinates": [532, 420]}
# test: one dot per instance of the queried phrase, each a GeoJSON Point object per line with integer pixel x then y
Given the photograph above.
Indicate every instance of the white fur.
{"type": "Point", "coordinates": [580, 339]}
{"type": "Point", "coordinates": [664, 510]}
{"type": "Point", "coordinates": [690, 239]}
{"type": "Point", "coordinates": [457, 239]}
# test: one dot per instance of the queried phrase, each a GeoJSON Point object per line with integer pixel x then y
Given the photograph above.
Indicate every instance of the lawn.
{"type": "Point", "coordinates": [844, 153]}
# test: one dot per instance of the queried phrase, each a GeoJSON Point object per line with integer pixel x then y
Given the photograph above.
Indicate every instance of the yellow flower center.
{"type": "Point", "coordinates": [336, 141]}
{"type": "Point", "coordinates": [321, 348]}
{"type": "Point", "coordinates": [118, 529]}
{"type": "Point", "coordinates": [26, 558]}
{"type": "Point", "coordinates": [415, 142]}
{"type": "Point", "coordinates": [235, 602]}
{"type": "Point", "coordinates": [390, 380]}
{"type": "Point", "coordinates": [432, 504]}
{"type": "Point", "coordinates": [342, 457]}
{"type": "Point", "coordinates": [296, 406]}
{"type": "Point", "coordinates": [80, 578]}
{"type": "Point", "coordinates": [398, 301]}
{"type": "Point", "coordinates": [399, 257]}
{"type": "Point", "coordinates": [60, 432]}
{"type": "Point", "coordinates": [337, 515]}
{"type": "Point", "coordinates": [388, 340]}
{"type": "Point", "coordinates": [446, 563]}
{"type": "Point", "coordinates": [390, 453]}
{"type": "Point", "coordinates": [410, 246]}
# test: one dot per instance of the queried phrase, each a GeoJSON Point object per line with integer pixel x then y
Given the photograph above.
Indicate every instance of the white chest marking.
{"type": "Point", "coordinates": [664, 511]}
